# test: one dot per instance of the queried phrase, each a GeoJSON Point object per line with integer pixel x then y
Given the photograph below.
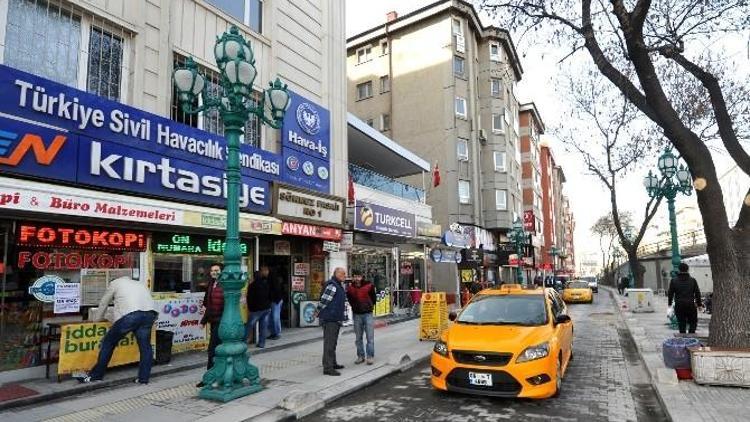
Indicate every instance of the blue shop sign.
{"type": "Point", "coordinates": [306, 138]}
{"type": "Point", "coordinates": [379, 219]}
{"type": "Point", "coordinates": [60, 133]}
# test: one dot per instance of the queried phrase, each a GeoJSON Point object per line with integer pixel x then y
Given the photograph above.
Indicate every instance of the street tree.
{"type": "Point", "coordinates": [612, 138]}
{"type": "Point", "coordinates": [630, 42]}
{"type": "Point", "coordinates": [606, 231]}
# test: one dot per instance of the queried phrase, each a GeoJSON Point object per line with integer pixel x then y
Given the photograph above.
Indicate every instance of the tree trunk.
{"type": "Point", "coordinates": [730, 320]}
{"type": "Point", "coordinates": [636, 268]}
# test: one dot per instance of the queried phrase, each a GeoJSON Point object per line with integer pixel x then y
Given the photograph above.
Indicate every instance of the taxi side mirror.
{"type": "Point", "coordinates": [452, 316]}
{"type": "Point", "coordinates": [562, 319]}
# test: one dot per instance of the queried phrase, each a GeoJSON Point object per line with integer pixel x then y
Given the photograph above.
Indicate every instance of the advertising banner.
{"type": "Point", "coordinates": [306, 144]}
{"type": "Point", "coordinates": [60, 133]}
{"type": "Point", "coordinates": [434, 316]}
{"type": "Point", "coordinates": [382, 303]}
{"type": "Point", "coordinates": [380, 219]}
{"type": "Point", "coordinates": [181, 314]}
{"type": "Point", "coordinates": [79, 347]}
{"type": "Point", "coordinates": [67, 298]}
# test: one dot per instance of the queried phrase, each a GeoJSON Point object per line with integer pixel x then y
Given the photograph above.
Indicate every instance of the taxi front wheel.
{"type": "Point", "coordinates": [558, 377]}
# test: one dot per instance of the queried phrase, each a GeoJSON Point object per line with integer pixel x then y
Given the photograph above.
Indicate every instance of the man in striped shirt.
{"type": "Point", "coordinates": [331, 313]}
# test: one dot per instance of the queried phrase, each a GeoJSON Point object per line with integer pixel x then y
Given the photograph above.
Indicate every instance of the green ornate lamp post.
{"type": "Point", "coordinates": [232, 375]}
{"type": "Point", "coordinates": [518, 237]}
{"type": "Point", "coordinates": [673, 180]}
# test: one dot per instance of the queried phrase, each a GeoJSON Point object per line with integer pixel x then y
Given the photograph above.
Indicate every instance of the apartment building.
{"type": "Point", "coordinates": [443, 85]}
{"type": "Point", "coordinates": [569, 226]}
{"type": "Point", "coordinates": [532, 127]}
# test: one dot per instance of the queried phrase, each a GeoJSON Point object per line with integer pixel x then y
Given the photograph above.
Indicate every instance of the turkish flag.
{"type": "Point", "coordinates": [436, 176]}
{"type": "Point", "coordinates": [351, 190]}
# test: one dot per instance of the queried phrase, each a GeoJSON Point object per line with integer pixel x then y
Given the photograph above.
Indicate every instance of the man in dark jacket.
{"type": "Point", "coordinates": [213, 302]}
{"type": "Point", "coordinates": [277, 302]}
{"type": "Point", "coordinates": [259, 305]}
{"type": "Point", "coordinates": [331, 313]}
{"type": "Point", "coordinates": [685, 294]}
{"type": "Point", "coordinates": [361, 295]}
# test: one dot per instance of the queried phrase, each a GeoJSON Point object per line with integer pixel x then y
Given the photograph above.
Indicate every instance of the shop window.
{"type": "Point", "coordinates": [210, 121]}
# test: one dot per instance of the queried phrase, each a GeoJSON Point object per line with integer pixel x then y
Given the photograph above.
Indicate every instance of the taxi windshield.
{"type": "Point", "coordinates": [505, 310]}
{"type": "Point", "coordinates": [578, 285]}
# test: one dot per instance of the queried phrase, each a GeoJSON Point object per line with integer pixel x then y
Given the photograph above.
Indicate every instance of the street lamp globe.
{"type": "Point", "coordinates": [667, 163]}
{"type": "Point", "coordinates": [241, 75]}
{"type": "Point", "coordinates": [683, 175]}
{"type": "Point", "coordinates": [231, 46]}
{"type": "Point", "coordinates": [188, 81]}
{"type": "Point", "coordinates": [279, 98]}
{"type": "Point", "coordinates": [651, 182]}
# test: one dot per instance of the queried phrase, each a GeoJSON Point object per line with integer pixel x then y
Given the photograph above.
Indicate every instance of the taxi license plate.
{"type": "Point", "coordinates": [477, 378]}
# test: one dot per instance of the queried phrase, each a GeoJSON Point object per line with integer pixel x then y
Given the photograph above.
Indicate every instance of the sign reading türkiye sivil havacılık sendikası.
{"type": "Point", "coordinates": [56, 132]}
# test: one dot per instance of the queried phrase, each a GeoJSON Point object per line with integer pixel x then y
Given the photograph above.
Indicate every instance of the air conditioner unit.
{"type": "Point", "coordinates": [482, 135]}
{"type": "Point", "coordinates": [460, 43]}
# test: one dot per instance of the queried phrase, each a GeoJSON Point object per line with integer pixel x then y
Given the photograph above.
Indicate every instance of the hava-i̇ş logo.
{"type": "Point", "coordinates": [308, 118]}
{"type": "Point", "coordinates": [12, 156]}
{"type": "Point", "coordinates": [366, 216]}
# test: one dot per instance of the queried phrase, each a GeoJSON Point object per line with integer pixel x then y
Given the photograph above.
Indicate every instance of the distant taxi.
{"type": "Point", "coordinates": [578, 291]}
{"type": "Point", "coordinates": [509, 341]}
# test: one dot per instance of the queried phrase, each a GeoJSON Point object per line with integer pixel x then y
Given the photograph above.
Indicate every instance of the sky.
{"type": "Point", "coordinates": [589, 199]}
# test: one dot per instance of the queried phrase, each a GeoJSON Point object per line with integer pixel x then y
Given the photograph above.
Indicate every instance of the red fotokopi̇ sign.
{"type": "Point", "coordinates": [42, 235]}
{"type": "Point", "coordinates": [309, 230]}
{"type": "Point", "coordinates": [74, 260]}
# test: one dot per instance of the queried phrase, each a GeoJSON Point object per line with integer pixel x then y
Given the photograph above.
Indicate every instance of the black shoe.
{"type": "Point", "coordinates": [272, 338]}
{"type": "Point", "coordinates": [200, 385]}
{"type": "Point", "coordinates": [338, 366]}
{"type": "Point", "coordinates": [332, 373]}
{"type": "Point", "coordinates": [137, 381]}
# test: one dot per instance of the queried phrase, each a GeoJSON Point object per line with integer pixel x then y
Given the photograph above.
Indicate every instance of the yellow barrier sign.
{"type": "Point", "coordinates": [434, 317]}
{"type": "Point", "coordinates": [79, 347]}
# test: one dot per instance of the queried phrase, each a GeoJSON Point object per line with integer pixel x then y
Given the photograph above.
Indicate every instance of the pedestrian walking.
{"type": "Point", "coordinates": [259, 305]}
{"type": "Point", "coordinates": [213, 304]}
{"type": "Point", "coordinates": [685, 294]}
{"type": "Point", "coordinates": [621, 285]}
{"type": "Point", "coordinates": [361, 296]}
{"type": "Point", "coordinates": [330, 312]}
{"type": "Point", "coordinates": [278, 293]}
{"type": "Point", "coordinates": [133, 313]}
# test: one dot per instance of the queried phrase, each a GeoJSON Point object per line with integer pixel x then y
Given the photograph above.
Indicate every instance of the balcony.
{"type": "Point", "coordinates": [377, 181]}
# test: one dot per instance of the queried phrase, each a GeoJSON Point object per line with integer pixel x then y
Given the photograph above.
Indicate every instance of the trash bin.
{"type": "Point", "coordinates": [640, 300]}
{"type": "Point", "coordinates": [675, 352]}
{"type": "Point", "coordinates": [163, 346]}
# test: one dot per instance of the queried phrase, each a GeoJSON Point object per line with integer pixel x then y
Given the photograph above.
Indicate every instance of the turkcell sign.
{"type": "Point", "coordinates": [306, 141]}
{"type": "Point", "coordinates": [55, 132]}
{"type": "Point", "coordinates": [380, 219]}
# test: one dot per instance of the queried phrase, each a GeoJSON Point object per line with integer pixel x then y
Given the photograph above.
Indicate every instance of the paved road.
{"type": "Point", "coordinates": [605, 382]}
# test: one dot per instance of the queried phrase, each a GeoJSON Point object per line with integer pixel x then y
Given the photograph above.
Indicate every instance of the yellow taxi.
{"type": "Point", "coordinates": [509, 341]}
{"type": "Point", "coordinates": [578, 291]}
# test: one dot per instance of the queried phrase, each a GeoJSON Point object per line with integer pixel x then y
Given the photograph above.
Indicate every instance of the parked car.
{"type": "Point", "coordinates": [578, 291]}
{"type": "Point", "coordinates": [593, 282]}
{"type": "Point", "coordinates": [557, 282]}
{"type": "Point", "coordinates": [509, 341]}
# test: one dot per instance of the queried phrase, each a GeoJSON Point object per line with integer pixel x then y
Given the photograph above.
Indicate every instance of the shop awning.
{"type": "Point", "coordinates": [370, 149]}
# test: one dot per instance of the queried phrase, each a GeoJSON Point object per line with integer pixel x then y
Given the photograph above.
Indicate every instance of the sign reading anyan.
{"type": "Point", "coordinates": [379, 219]}
{"type": "Point", "coordinates": [300, 205]}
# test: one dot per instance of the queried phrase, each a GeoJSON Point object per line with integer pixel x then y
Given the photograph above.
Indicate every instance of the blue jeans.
{"type": "Point", "coordinates": [260, 318]}
{"type": "Point", "coordinates": [364, 324]}
{"type": "Point", "coordinates": [274, 320]}
{"type": "Point", "coordinates": [137, 322]}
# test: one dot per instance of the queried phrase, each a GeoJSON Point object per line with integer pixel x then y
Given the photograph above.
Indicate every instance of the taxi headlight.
{"type": "Point", "coordinates": [533, 353]}
{"type": "Point", "coordinates": [440, 348]}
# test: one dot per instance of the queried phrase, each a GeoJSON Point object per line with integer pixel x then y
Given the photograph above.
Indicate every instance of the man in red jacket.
{"type": "Point", "coordinates": [213, 301]}
{"type": "Point", "coordinates": [361, 295]}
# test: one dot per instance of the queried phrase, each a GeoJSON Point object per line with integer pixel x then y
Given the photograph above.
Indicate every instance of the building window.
{"type": "Point", "coordinates": [249, 12]}
{"type": "Point", "coordinates": [55, 43]}
{"type": "Point", "coordinates": [210, 121]}
{"type": "Point", "coordinates": [364, 54]}
{"type": "Point", "coordinates": [464, 191]}
{"type": "Point", "coordinates": [462, 150]}
{"type": "Point", "coordinates": [458, 65]}
{"type": "Point", "coordinates": [495, 54]}
{"type": "Point", "coordinates": [495, 87]}
{"type": "Point", "coordinates": [457, 28]}
{"type": "Point", "coordinates": [499, 158]}
{"type": "Point", "coordinates": [385, 83]}
{"type": "Point", "coordinates": [385, 122]}
{"type": "Point", "coordinates": [501, 200]}
{"type": "Point", "coordinates": [498, 125]}
{"type": "Point", "coordinates": [364, 90]}
{"type": "Point", "coordinates": [383, 47]}
{"type": "Point", "coordinates": [461, 107]}
{"type": "Point", "coordinates": [105, 64]}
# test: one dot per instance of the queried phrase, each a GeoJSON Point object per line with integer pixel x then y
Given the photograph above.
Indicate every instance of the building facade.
{"type": "Point", "coordinates": [443, 85]}
{"type": "Point", "coordinates": [103, 175]}
{"type": "Point", "coordinates": [532, 127]}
